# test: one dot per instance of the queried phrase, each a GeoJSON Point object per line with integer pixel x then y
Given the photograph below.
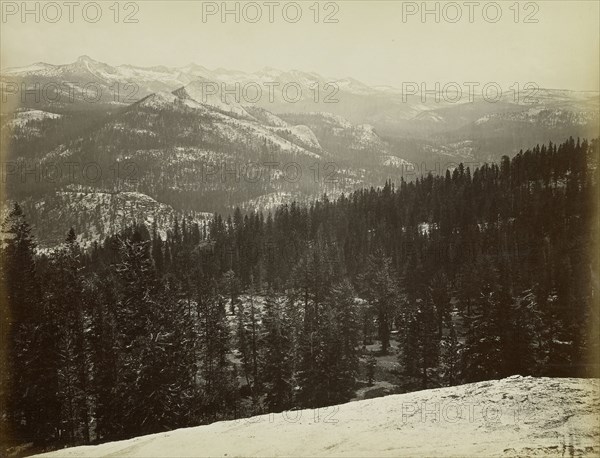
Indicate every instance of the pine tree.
{"type": "Point", "coordinates": [144, 342]}
{"type": "Point", "coordinates": [104, 347]}
{"type": "Point", "coordinates": [523, 349]}
{"type": "Point", "coordinates": [438, 291]}
{"type": "Point", "coordinates": [329, 353]}
{"type": "Point", "coordinates": [30, 405]}
{"type": "Point", "coordinates": [420, 347]}
{"type": "Point", "coordinates": [371, 367]}
{"type": "Point", "coordinates": [484, 355]}
{"type": "Point", "coordinates": [215, 370]}
{"type": "Point", "coordinates": [277, 360]}
{"type": "Point", "coordinates": [231, 285]}
{"type": "Point", "coordinates": [248, 335]}
{"type": "Point", "coordinates": [174, 354]}
{"type": "Point", "coordinates": [157, 249]}
{"type": "Point", "coordinates": [347, 338]}
{"type": "Point", "coordinates": [311, 288]}
{"type": "Point", "coordinates": [450, 358]}
{"type": "Point", "coordinates": [66, 298]}
{"type": "Point", "coordinates": [381, 290]}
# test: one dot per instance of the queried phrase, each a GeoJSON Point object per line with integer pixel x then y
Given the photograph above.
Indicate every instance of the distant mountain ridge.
{"type": "Point", "coordinates": [188, 157]}
{"type": "Point", "coordinates": [202, 141]}
{"type": "Point", "coordinates": [348, 97]}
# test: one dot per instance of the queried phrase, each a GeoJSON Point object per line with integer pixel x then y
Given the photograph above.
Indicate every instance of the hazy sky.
{"type": "Point", "coordinates": [370, 42]}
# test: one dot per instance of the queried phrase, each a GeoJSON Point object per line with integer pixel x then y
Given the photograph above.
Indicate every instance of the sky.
{"type": "Point", "coordinates": [372, 41]}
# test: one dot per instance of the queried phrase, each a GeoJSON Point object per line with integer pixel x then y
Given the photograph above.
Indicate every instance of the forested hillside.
{"type": "Point", "coordinates": [475, 274]}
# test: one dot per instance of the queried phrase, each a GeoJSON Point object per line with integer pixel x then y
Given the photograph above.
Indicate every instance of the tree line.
{"type": "Point", "coordinates": [474, 275]}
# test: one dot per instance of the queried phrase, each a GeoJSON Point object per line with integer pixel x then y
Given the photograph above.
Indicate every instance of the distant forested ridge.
{"type": "Point", "coordinates": [474, 275]}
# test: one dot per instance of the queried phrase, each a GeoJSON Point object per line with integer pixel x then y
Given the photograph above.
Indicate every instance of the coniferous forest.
{"type": "Point", "coordinates": [468, 276]}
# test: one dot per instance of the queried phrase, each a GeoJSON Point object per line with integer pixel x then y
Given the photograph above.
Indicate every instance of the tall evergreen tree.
{"type": "Point", "coordinates": [218, 386]}
{"type": "Point", "coordinates": [277, 370]}
{"type": "Point", "coordinates": [29, 400]}
{"type": "Point", "coordinates": [381, 290]}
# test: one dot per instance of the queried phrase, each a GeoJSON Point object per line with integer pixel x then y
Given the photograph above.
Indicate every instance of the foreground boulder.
{"type": "Point", "coordinates": [516, 416]}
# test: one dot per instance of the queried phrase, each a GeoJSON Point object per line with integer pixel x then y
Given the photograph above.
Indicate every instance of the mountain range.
{"type": "Point", "coordinates": [189, 140]}
{"type": "Point", "coordinates": [403, 108]}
